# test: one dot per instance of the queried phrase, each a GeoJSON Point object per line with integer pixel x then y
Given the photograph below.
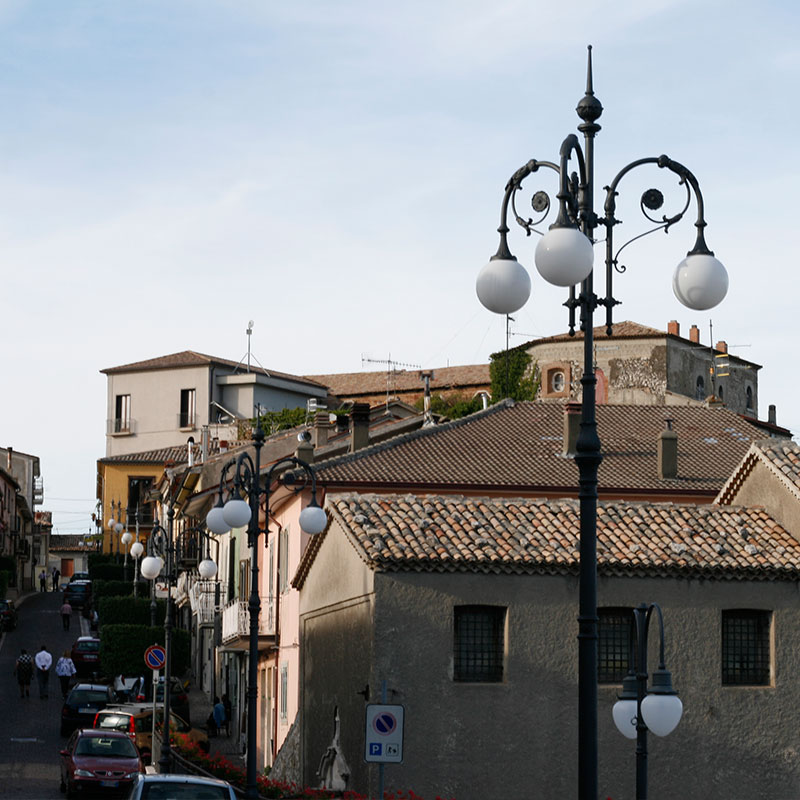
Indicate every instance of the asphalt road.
{"type": "Point", "coordinates": [29, 728]}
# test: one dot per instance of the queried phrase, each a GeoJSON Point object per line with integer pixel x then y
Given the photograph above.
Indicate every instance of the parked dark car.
{"type": "Point", "coordinates": [86, 655]}
{"type": "Point", "coordinates": [82, 704]}
{"type": "Point", "coordinates": [79, 593]}
{"type": "Point", "coordinates": [8, 615]}
{"type": "Point", "coordinates": [79, 576]}
{"type": "Point", "coordinates": [99, 761]}
{"type": "Point", "coordinates": [142, 692]}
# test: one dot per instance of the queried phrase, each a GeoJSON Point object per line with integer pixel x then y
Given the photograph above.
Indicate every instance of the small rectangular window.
{"type": "Point", "coordinates": [284, 707]}
{"type": "Point", "coordinates": [745, 648]}
{"type": "Point", "coordinates": [122, 413]}
{"type": "Point", "coordinates": [479, 647]}
{"type": "Point", "coordinates": [187, 417]}
{"type": "Point", "coordinates": [615, 646]}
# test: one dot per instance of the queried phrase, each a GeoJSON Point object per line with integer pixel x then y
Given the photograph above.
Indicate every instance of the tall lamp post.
{"type": "Point", "coordinates": [161, 557]}
{"type": "Point", "coordinates": [638, 710]}
{"type": "Point", "coordinates": [564, 257]}
{"type": "Point", "coordinates": [236, 513]}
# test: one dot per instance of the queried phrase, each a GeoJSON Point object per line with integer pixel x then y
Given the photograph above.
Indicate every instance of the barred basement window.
{"type": "Point", "coordinates": [479, 647]}
{"type": "Point", "coordinates": [615, 646]}
{"type": "Point", "coordinates": [745, 648]}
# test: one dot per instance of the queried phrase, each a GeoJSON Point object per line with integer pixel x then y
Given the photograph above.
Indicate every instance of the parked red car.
{"type": "Point", "coordinates": [86, 655]}
{"type": "Point", "coordinates": [99, 761]}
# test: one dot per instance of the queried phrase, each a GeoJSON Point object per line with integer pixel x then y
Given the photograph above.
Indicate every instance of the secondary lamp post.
{"type": "Point", "coordinates": [638, 709]}
{"type": "Point", "coordinates": [565, 257]}
{"type": "Point", "coordinates": [236, 513]}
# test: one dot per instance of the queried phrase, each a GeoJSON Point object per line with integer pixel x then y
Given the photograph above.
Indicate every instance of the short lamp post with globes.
{"type": "Point", "coordinates": [564, 256]}
{"type": "Point", "coordinates": [237, 512]}
{"type": "Point", "coordinates": [164, 555]}
{"type": "Point", "coordinates": [638, 709]}
{"type": "Point", "coordinates": [115, 525]}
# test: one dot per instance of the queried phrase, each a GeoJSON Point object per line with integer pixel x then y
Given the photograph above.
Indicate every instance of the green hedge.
{"type": "Point", "coordinates": [110, 572]}
{"type": "Point", "coordinates": [129, 610]}
{"type": "Point", "coordinates": [103, 588]}
{"type": "Point", "coordinates": [122, 649]}
{"type": "Point", "coordinates": [4, 580]}
{"type": "Point", "coordinates": [96, 559]}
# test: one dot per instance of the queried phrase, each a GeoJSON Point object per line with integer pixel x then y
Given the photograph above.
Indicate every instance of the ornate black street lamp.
{"type": "Point", "coordinates": [564, 257]}
{"type": "Point", "coordinates": [638, 709]}
{"type": "Point", "coordinates": [295, 474]}
{"type": "Point", "coordinates": [164, 557]}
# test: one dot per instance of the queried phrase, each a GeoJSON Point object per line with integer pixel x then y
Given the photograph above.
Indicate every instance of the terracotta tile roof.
{"type": "Point", "coordinates": [461, 534]}
{"type": "Point", "coordinates": [518, 447]}
{"type": "Point", "coordinates": [780, 456]}
{"type": "Point", "coordinates": [351, 384]}
{"type": "Point", "coordinates": [60, 542]}
{"type": "Point", "coordinates": [621, 330]}
{"type": "Point", "coordinates": [190, 358]}
{"type": "Point", "coordinates": [176, 454]}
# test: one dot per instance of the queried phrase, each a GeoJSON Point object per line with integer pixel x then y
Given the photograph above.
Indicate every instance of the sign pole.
{"type": "Point", "coordinates": [381, 766]}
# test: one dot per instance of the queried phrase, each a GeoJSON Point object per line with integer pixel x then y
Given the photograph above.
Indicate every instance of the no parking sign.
{"type": "Point", "coordinates": [384, 734]}
{"type": "Point", "coordinates": [155, 656]}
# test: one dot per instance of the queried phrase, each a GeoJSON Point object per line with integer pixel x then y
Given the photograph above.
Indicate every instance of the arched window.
{"type": "Point", "coordinates": [700, 390]}
{"type": "Point", "coordinates": [749, 398]}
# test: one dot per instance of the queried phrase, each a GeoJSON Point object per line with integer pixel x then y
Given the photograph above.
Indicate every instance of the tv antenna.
{"type": "Point", "coordinates": [391, 370]}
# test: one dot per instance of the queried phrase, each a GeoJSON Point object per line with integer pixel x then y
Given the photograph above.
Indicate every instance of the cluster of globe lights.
{"type": "Point", "coordinates": [236, 513]}
{"type": "Point", "coordinates": [565, 257]}
{"type": "Point", "coordinates": [661, 707]}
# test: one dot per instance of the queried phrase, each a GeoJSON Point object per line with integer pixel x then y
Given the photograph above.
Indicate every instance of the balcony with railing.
{"type": "Point", "coordinates": [121, 426]}
{"type": "Point", "coordinates": [187, 420]}
{"type": "Point", "coordinates": [236, 624]}
{"type": "Point", "coordinates": [206, 599]}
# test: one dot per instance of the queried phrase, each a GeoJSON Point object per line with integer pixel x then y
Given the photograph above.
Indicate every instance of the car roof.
{"type": "Point", "coordinates": [89, 686]}
{"type": "Point", "coordinates": [104, 733]}
{"type": "Point", "coordinates": [87, 639]}
{"type": "Point", "coordinates": [196, 779]}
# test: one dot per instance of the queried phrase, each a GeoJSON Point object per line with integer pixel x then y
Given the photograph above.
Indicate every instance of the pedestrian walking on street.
{"type": "Point", "coordinates": [56, 576]}
{"type": "Point", "coordinates": [65, 669]}
{"type": "Point", "coordinates": [226, 702]}
{"type": "Point", "coordinates": [42, 581]}
{"type": "Point", "coordinates": [66, 614]}
{"type": "Point", "coordinates": [43, 663]}
{"type": "Point", "coordinates": [23, 669]}
{"type": "Point", "coordinates": [219, 714]}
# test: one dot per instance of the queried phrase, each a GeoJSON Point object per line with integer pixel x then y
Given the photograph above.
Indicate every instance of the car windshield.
{"type": "Point", "coordinates": [183, 791]}
{"type": "Point", "coordinates": [114, 722]}
{"type": "Point", "coordinates": [106, 747]}
{"type": "Point", "coordinates": [84, 697]}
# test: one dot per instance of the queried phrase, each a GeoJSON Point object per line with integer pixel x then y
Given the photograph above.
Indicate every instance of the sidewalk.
{"type": "Point", "coordinates": [201, 706]}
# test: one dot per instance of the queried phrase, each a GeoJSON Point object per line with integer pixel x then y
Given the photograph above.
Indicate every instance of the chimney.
{"type": "Point", "coordinates": [10, 453]}
{"type": "Point", "coordinates": [359, 430]}
{"type": "Point", "coordinates": [694, 334]}
{"type": "Point", "coordinates": [427, 416]}
{"type": "Point", "coordinates": [674, 327]}
{"type": "Point", "coordinates": [572, 426]}
{"type": "Point", "coordinates": [190, 452]}
{"type": "Point", "coordinates": [204, 438]}
{"type": "Point", "coordinates": [668, 452]}
{"type": "Point", "coordinates": [721, 346]}
{"type": "Point", "coordinates": [322, 427]}
{"type": "Point", "coordinates": [223, 446]}
{"type": "Point", "coordinates": [772, 416]}
{"type": "Point", "coordinates": [305, 450]}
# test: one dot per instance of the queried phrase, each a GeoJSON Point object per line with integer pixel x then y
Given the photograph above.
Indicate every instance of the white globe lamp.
{"type": "Point", "coordinates": [236, 513]}
{"type": "Point", "coordinates": [313, 519]}
{"type": "Point", "coordinates": [700, 281]}
{"type": "Point", "coordinates": [564, 256]}
{"type": "Point", "coordinates": [207, 569]}
{"type": "Point", "coordinates": [151, 567]}
{"type": "Point", "coordinates": [503, 285]}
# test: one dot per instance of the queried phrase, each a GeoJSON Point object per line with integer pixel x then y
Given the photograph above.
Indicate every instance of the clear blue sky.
{"type": "Point", "coordinates": [334, 171]}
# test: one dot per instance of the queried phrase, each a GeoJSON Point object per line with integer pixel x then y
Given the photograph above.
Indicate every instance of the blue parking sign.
{"type": "Point", "coordinates": [384, 734]}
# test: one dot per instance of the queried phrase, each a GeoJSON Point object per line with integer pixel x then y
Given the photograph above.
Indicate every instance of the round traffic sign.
{"type": "Point", "coordinates": [384, 723]}
{"type": "Point", "coordinates": [155, 656]}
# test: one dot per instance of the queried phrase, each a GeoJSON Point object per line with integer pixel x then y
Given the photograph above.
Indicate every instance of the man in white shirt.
{"type": "Point", "coordinates": [43, 663]}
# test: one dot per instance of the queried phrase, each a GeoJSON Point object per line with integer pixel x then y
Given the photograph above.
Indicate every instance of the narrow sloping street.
{"type": "Point", "coordinates": [29, 728]}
